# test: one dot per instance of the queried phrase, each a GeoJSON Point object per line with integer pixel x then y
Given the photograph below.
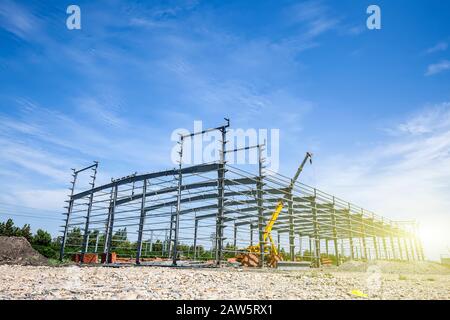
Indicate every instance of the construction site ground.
{"type": "Point", "coordinates": [353, 280]}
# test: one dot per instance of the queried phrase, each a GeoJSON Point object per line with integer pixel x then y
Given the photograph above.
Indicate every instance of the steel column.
{"type": "Point", "coordinates": [69, 212]}
{"type": "Point", "coordinates": [111, 225]}
{"type": "Point", "coordinates": [363, 231]}
{"type": "Point", "coordinates": [291, 226]}
{"type": "Point", "coordinates": [400, 247]}
{"type": "Point", "coordinates": [335, 235]}
{"type": "Point", "coordinates": [405, 244]}
{"type": "Point", "coordinates": [260, 203]}
{"type": "Point", "coordinates": [177, 214]}
{"type": "Point", "coordinates": [141, 223]}
{"type": "Point", "coordinates": [386, 256]}
{"type": "Point", "coordinates": [221, 199]}
{"type": "Point", "coordinates": [350, 238]}
{"type": "Point", "coordinates": [317, 261]}
{"type": "Point", "coordinates": [195, 238]}
{"type": "Point", "coordinates": [88, 214]}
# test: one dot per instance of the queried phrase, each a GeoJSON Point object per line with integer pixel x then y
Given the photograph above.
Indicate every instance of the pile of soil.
{"type": "Point", "coordinates": [18, 251]}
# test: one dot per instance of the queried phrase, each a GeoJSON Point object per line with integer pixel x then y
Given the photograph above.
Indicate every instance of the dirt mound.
{"type": "Point", "coordinates": [417, 267]}
{"type": "Point", "coordinates": [17, 250]}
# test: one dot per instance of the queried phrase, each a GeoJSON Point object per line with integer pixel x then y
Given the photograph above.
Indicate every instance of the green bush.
{"type": "Point", "coordinates": [42, 238]}
{"type": "Point", "coordinates": [48, 251]}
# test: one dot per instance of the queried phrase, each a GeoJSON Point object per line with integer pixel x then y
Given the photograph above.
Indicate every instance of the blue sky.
{"type": "Point", "coordinates": [374, 106]}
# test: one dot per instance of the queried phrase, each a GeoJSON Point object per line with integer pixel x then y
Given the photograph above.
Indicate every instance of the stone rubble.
{"type": "Point", "coordinates": [129, 283]}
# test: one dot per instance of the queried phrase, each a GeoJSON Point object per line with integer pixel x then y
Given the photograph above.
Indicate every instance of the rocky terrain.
{"type": "Point", "coordinates": [381, 280]}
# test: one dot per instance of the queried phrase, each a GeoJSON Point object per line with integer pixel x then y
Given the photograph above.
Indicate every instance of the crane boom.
{"type": "Point", "coordinates": [280, 205]}
{"type": "Point", "coordinates": [273, 253]}
{"type": "Point", "coordinates": [308, 156]}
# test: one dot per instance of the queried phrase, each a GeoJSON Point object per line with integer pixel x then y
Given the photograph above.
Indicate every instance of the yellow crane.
{"type": "Point", "coordinates": [274, 257]}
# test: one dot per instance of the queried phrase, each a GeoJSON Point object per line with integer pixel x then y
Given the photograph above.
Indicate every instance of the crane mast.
{"type": "Point", "coordinates": [268, 229]}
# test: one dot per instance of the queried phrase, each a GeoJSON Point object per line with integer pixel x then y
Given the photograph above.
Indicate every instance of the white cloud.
{"type": "Point", "coordinates": [437, 68]}
{"type": "Point", "coordinates": [313, 17]}
{"type": "Point", "coordinates": [441, 46]}
{"type": "Point", "coordinates": [427, 121]}
{"type": "Point", "coordinates": [33, 159]}
{"type": "Point", "coordinates": [44, 199]}
{"type": "Point", "coordinates": [17, 20]}
{"type": "Point", "coordinates": [102, 111]}
{"type": "Point", "coordinates": [404, 178]}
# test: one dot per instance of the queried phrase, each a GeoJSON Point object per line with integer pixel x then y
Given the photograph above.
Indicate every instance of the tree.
{"type": "Point", "coordinates": [8, 229]}
{"type": "Point", "coordinates": [74, 237]}
{"type": "Point", "coordinates": [26, 232]}
{"type": "Point", "coordinates": [42, 238]}
{"type": "Point", "coordinates": [157, 246]}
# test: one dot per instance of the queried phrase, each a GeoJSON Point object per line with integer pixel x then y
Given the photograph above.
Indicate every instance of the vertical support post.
{"type": "Point", "coordinates": [251, 234]}
{"type": "Point", "coordinates": [221, 196]}
{"type": "Point", "coordinates": [335, 235]}
{"type": "Point", "coordinates": [421, 250]}
{"type": "Point", "coordinates": [361, 254]}
{"type": "Point", "coordinates": [405, 244]}
{"type": "Point", "coordinates": [317, 261]}
{"type": "Point", "coordinates": [96, 241]}
{"type": "Point", "coordinates": [363, 233]}
{"type": "Point", "coordinates": [310, 249]}
{"type": "Point", "coordinates": [291, 226]}
{"type": "Point", "coordinates": [413, 255]}
{"type": "Point", "coordinates": [375, 241]}
{"type": "Point", "coordinates": [195, 238]}
{"type": "Point", "coordinates": [165, 246]}
{"type": "Point", "coordinates": [111, 224]}
{"type": "Point", "coordinates": [108, 220]}
{"type": "Point", "coordinates": [400, 247]}
{"type": "Point", "coordinates": [416, 246]}
{"type": "Point", "coordinates": [260, 202]}
{"type": "Point", "coordinates": [418, 242]}
{"type": "Point", "coordinates": [177, 215]}
{"type": "Point", "coordinates": [88, 215]}
{"type": "Point", "coordinates": [141, 223]}
{"type": "Point", "coordinates": [386, 256]}
{"type": "Point", "coordinates": [69, 212]}
{"type": "Point", "coordinates": [151, 242]}
{"type": "Point", "coordinates": [235, 238]}
{"type": "Point", "coordinates": [391, 240]}
{"type": "Point", "coordinates": [350, 230]}
{"type": "Point", "coordinates": [300, 249]}
{"type": "Point", "coordinates": [171, 231]}
{"type": "Point", "coordinates": [278, 242]}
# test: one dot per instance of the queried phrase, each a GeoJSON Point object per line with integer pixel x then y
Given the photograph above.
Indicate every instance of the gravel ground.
{"type": "Point", "coordinates": [73, 282]}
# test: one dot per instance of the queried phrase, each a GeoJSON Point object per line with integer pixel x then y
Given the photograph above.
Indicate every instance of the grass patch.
{"type": "Point", "coordinates": [56, 262]}
{"type": "Point", "coordinates": [402, 277]}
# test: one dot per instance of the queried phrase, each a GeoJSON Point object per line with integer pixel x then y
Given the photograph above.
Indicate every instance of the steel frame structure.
{"type": "Point", "coordinates": [214, 210]}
